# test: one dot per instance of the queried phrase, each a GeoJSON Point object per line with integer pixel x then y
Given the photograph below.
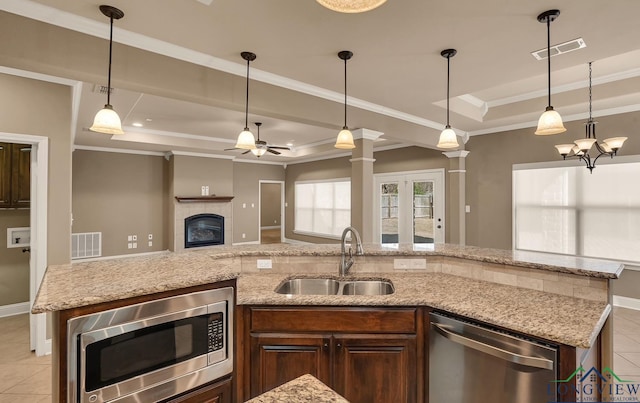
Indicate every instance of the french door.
{"type": "Point", "coordinates": [409, 207]}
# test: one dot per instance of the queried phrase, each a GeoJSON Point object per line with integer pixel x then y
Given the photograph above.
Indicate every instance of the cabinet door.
{"type": "Point", "coordinates": [278, 358]}
{"type": "Point", "coordinates": [219, 392]}
{"type": "Point", "coordinates": [376, 368]}
{"type": "Point", "coordinates": [21, 177]}
{"type": "Point", "coordinates": [5, 174]}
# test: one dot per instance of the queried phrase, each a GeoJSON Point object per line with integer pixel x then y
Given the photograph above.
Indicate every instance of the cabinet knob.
{"type": "Point", "coordinates": [339, 345]}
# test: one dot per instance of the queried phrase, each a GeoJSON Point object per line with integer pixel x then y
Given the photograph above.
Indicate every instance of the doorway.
{"type": "Point", "coordinates": [409, 207]}
{"type": "Point", "coordinates": [271, 212]}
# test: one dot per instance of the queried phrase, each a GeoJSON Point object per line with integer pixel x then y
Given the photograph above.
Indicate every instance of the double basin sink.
{"type": "Point", "coordinates": [327, 286]}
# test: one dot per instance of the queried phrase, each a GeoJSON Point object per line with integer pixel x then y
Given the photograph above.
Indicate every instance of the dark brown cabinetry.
{"type": "Point", "coordinates": [15, 172]}
{"type": "Point", "coordinates": [364, 354]}
{"type": "Point", "coordinates": [219, 392]}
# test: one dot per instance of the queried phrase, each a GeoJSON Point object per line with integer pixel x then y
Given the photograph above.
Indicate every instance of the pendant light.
{"type": "Point", "coordinates": [581, 147]}
{"type": "Point", "coordinates": [246, 141]}
{"type": "Point", "coordinates": [550, 122]}
{"type": "Point", "coordinates": [345, 138]}
{"type": "Point", "coordinates": [259, 151]}
{"type": "Point", "coordinates": [448, 138]}
{"type": "Point", "coordinates": [351, 6]}
{"type": "Point", "coordinates": [107, 120]}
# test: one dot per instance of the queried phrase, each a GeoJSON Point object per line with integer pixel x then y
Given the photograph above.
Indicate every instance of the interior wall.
{"type": "Point", "coordinates": [270, 204]}
{"type": "Point", "coordinates": [14, 264]}
{"type": "Point", "coordinates": [246, 192]}
{"type": "Point", "coordinates": [191, 173]}
{"type": "Point", "coordinates": [120, 195]}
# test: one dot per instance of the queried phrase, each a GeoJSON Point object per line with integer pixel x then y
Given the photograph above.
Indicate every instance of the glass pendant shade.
{"type": "Point", "coordinates": [585, 144]}
{"type": "Point", "coordinates": [615, 142]}
{"type": "Point", "coordinates": [564, 149]}
{"type": "Point", "coordinates": [246, 141]}
{"type": "Point", "coordinates": [351, 6]}
{"type": "Point", "coordinates": [345, 140]}
{"type": "Point", "coordinates": [107, 121]}
{"type": "Point", "coordinates": [448, 139]}
{"type": "Point", "coordinates": [259, 152]}
{"type": "Point", "coordinates": [550, 123]}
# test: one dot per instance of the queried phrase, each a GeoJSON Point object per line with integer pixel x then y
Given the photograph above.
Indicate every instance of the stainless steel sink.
{"type": "Point", "coordinates": [324, 286]}
{"type": "Point", "coordinates": [309, 286]}
{"type": "Point", "coordinates": [368, 287]}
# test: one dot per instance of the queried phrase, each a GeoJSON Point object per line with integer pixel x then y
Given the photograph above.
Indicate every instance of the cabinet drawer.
{"type": "Point", "coordinates": [333, 319]}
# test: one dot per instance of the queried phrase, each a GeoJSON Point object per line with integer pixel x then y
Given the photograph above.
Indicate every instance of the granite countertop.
{"type": "Point", "coordinates": [572, 321]}
{"type": "Point", "coordinates": [303, 389]}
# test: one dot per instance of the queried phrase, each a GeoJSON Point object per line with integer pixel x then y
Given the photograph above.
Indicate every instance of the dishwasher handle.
{"type": "Point", "coordinates": [535, 362]}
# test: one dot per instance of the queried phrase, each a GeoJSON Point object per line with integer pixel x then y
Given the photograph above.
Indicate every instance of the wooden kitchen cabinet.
{"type": "Point", "coordinates": [365, 354]}
{"type": "Point", "coordinates": [15, 175]}
{"type": "Point", "coordinates": [218, 392]}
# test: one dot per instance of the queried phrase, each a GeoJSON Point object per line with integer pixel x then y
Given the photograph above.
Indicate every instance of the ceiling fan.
{"type": "Point", "coordinates": [261, 146]}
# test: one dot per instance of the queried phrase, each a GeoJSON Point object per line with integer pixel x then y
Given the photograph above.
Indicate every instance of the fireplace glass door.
{"type": "Point", "coordinates": [203, 230]}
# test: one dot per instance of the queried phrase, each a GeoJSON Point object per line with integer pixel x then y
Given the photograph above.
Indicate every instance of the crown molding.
{"type": "Point", "coordinates": [118, 150]}
{"type": "Point", "coordinates": [456, 154]}
{"type": "Point", "coordinates": [201, 155]}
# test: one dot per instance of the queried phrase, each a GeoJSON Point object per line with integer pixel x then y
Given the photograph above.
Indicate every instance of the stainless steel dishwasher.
{"type": "Point", "coordinates": [470, 363]}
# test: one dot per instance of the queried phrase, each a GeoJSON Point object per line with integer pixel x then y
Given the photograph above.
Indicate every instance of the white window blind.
{"type": "Point", "coordinates": [322, 208]}
{"type": "Point", "coordinates": [567, 210]}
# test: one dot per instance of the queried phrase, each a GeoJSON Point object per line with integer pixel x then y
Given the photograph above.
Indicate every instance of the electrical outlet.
{"type": "Point", "coordinates": [150, 243]}
{"type": "Point", "coordinates": [135, 245]}
{"type": "Point", "coordinates": [467, 208]}
{"type": "Point", "coordinates": [409, 264]}
{"type": "Point", "coordinates": [150, 236]}
{"type": "Point", "coordinates": [129, 238]}
{"type": "Point", "coordinates": [134, 237]}
{"type": "Point", "coordinates": [203, 190]}
{"type": "Point", "coordinates": [244, 205]}
{"type": "Point", "coordinates": [130, 245]}
{"type": "Point", "coordinates": [264, 264]}
{"type": "Point", "coordinates": [244, 236]}
{"type": "Point", "coordinates": [252, 205]}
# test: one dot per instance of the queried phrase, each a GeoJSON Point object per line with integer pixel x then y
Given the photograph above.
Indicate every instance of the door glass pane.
{"type": "Point", "coordinates": [423, 212]}
{"type": "Point", "coordinates": [389, 212]}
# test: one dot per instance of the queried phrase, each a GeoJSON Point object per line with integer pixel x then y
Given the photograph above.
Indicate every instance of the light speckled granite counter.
{"type": "Point", "coordinates": [303, 389]}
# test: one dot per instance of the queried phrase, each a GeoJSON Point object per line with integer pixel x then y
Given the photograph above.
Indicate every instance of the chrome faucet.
{"type": "Point", "coordinates": [345, 264]}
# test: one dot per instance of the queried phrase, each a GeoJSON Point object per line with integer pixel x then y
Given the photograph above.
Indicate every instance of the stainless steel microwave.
{"type": "Point", "coordinates": [152, 350]}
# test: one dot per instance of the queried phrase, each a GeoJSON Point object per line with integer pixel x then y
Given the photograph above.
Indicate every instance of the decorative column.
{"type": "Point", "coordinates": [456, 197]}
{"type": "Point", "coordinates": [362, 191]}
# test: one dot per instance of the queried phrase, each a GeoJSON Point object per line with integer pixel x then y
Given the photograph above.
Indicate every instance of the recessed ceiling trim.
{"type": "Point", "coordinates": [178, 135]}
{"type": "Point", "coordinates": [49, 15]}
{"type": "Point", "coordinates": [118, 150]}
{"type": "Point", "coordinates": [257, 161]}
{"type": "Point", "coordinates": [202, 155]}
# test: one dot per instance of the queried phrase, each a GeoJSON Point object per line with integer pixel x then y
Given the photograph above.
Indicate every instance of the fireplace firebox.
{"type": "Point", "coordinates": [203, 230]}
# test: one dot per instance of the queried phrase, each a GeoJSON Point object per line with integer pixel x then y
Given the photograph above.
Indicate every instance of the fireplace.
{"type": "Point", "coordinates": [203, 230]}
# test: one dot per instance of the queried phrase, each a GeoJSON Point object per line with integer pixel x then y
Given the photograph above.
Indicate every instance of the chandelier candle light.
{"type": "Point", "coordinates": [351, 6]}
{"type": "Point", "coordinates": [345, 138]}
{"type": "Point", "coordinates": [246, 141]}
{"type": "Point", "coordinates": [107, 120]}
{"type": "Point", "coordinates": [448, 138]}
{"type": "Point", "coordinates": [581, 147]}
{"type": "Point", "coordinates": [550, 122]}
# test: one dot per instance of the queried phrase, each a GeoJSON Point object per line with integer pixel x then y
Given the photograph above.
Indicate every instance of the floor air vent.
{"type": "Point", "coordinates": [86, 244]}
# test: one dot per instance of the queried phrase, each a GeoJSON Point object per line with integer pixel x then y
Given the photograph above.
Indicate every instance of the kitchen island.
{"type": "Point", "coordinates": [557, 299]}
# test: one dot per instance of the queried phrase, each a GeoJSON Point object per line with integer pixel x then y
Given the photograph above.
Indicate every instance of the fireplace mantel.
{"type": "Point", "coordinates": [204, 199]}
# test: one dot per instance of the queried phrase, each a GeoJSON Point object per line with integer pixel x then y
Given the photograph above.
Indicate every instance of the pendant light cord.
{"type": "Point", "coordinates": [246, 104]}
{"type": "Point", "coordinates": [110, 52]}
{"type": "Point", "coordinates": [345, 94]}
{"type": "Point", "coordinates": [590, 118]}
{"type": "Point", "coordinates": [549, 59]}
{"type": "Point", "coordinates": [448, 74]}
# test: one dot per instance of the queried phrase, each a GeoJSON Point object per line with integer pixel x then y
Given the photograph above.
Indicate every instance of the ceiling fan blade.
{"type": "Point", "coordinates": [246, 152]}
{"type": "Point", "coordinates": [279, 148]}
{"type": "Point", "coordinates": [231, 149]}
{"type": "Point", "coordinates": [273, 152]}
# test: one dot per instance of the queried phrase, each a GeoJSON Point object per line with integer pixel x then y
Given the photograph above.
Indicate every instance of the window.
{"type": "Point", "coordinates": [567, 210]}
{"type": "Point", "coordinates": [323, 208]}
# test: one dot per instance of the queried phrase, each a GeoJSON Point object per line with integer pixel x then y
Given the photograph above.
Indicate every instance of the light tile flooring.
{"type": "Point", "coordinates": [27, 378]}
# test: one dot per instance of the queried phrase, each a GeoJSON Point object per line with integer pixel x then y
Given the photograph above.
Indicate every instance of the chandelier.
{"type": "Point", "coordinates": [582, 147]}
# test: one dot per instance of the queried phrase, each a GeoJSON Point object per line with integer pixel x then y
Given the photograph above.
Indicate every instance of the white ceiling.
{"type": "Point", "coordinates": [396, 71]}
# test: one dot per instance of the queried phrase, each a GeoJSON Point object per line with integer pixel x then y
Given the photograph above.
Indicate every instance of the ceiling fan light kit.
{"type": "Point", "coordinates": [550, 121]}
{"type": "Point", "coordinates": [107, 120]}
{"type": "Point", "coordinates": [246, 141]}
{"type": "Point", "coordinates": [351, 6]}
{"type": "Point", "coordinates": [448, 138]}
{"type": "Point", "coordinates": [344, 141]}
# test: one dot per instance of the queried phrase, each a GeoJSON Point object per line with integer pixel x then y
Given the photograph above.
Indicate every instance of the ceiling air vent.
{"type": "Point", "coordinates": [561, 48]}
{"type": "Point", "coordinates": [102, 89]}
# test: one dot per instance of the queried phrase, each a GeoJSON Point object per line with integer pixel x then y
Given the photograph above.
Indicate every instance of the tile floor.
{"type": "Point", "coordinates": [27, 378]}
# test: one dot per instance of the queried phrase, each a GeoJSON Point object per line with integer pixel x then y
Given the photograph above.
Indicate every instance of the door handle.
{"type": "Point", "coordinates": [493, 350]}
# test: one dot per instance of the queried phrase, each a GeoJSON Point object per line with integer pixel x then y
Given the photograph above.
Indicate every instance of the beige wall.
{"type": "Point", "coordinates": [20, 98]}
{"type": "Point", "coordinates": [14, 264]}
{"type": "Point", "coordinates": [120, 195]}
{"type": "Point", "coordinates": [191, 173]}
{"type": "Point", "coordinates": [270, 204]}
{"type": "Point", "coordinates": [246, 190]}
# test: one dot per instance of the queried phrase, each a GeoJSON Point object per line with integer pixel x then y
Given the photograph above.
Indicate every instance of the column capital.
{"type": "Point", "coordinates": [366, 134]}
{"type": "Point", "coordinates": [456, 154]}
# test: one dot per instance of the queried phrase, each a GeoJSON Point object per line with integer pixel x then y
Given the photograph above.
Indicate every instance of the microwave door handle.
{"type": "Point", "coordinates": [529, 361]}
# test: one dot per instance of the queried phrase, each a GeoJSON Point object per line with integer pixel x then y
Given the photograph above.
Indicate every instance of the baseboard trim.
{"type": "Point", "coordinates": [295, 241]}
{"type": "Point", "coordinates": [14, 309]}
{"type": "Point", "coordinates": [94, 259]}
{"type": "Point", "coordinates": [626, 302]}
{"type": "Point", "coordinates": [247, 243]}
{"type": "Point", "coordinates": [271, 227]}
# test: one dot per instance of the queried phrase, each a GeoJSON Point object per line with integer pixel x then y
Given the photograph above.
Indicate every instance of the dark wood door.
{"type": "Point", "coordinates": [278, 358]}
{"type": "Point", "coordinates": [21, 177]}
{"type": "Point", "coordinates": [219, 392]}
{"type": "Point", "coordinates": [5, 174]}
{"type": "Point", "coordinates": [376, 368]}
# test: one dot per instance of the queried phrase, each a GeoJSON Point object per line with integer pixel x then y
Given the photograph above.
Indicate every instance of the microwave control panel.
{"type": "Point", "coordinates": [216, 332]}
